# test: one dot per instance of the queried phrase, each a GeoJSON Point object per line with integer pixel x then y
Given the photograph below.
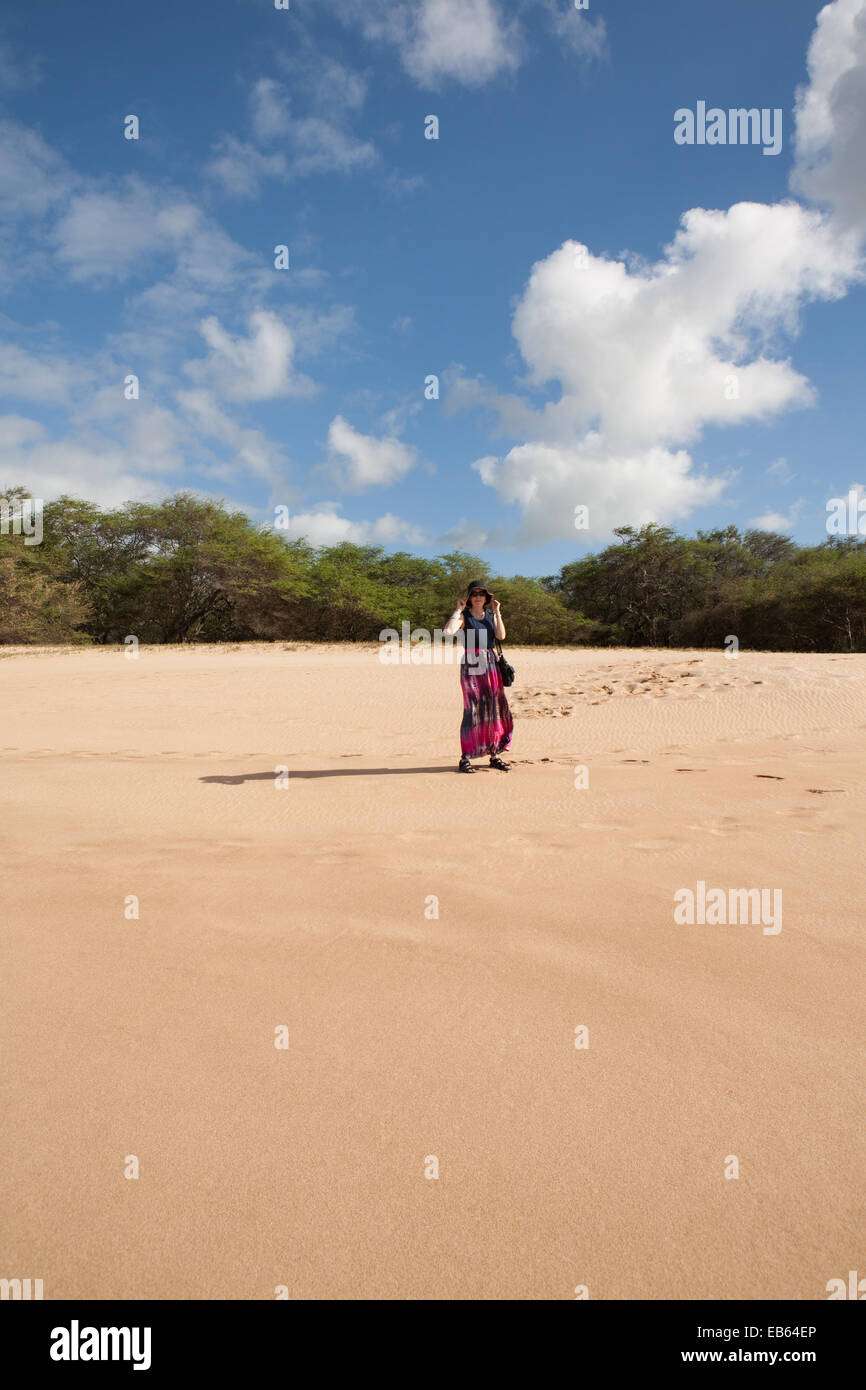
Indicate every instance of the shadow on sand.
{"type": "Point", "coordinates": [328, 772]}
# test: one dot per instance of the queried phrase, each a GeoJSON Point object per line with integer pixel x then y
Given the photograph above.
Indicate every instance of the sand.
{"type": "Point", "coordinates": [414, 1037]}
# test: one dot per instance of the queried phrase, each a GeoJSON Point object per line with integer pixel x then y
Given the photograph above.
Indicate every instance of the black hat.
{"type": "Point", "coordinates": [478, 587]}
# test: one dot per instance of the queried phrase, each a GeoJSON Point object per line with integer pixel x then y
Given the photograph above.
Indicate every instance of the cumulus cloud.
{"type": "Point", "coordinates": [319, 143]}
{"type": "Point", "coordinates": [257, 367]}
{"type": "Point", "coordinates": [549, 483]}
{"type": "Point", "coordinates": [467, 535]}
{"type": "Point", "coordinates": [269, 109]}
{"type": "Point", "coordinates": [329, 85]}
{"type": "Point", "coordinates": [103, 469]}
{"type": "Point", "coordinates": [250, 451]}
{"type": "Point", "coordinates": [830, 115]}
{"type": "Point", "coordinates": [33, 177]}
{"type": "Point", "coordinates": [16, 430]}
{"type": "Point", "coordinates": [49, 379]}
{"type": "Point", "coordinates": [646, 356]}
{"type": "Point", "coordinates": [320, 147]}
{"type": "Point", "coordinates": [361, 460]}
{"type": "Point", "coordinates": [325, 526]}
{"type": "Point", "coordinates": [779, 521]}
{"type": "Point", "coordinates": [241, 168]}
{"type": "Point", "coordinates": [575, 29]}
{"type": "Point", "coordinates": [648, 353]}
{"type": "Point", "coordinates": [106, 231]}
{"type": "Point", "coordinates": [646, 359]}
{"type": "Point", "coordinates": [108, 236]}
{"type": "Point", "coordinates": [466, 41]}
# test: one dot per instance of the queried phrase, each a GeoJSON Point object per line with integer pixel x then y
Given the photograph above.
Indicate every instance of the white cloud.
{"type": "Point", "coordinates": [331, 88]}
{"type": "Point", "coordinates": [250, 450]}
{"type": "Point", "coordinates": [106, 231]}
{"type": "Point", "coordinates": [256, 368]}
{"type": "Point", "coordinates": [33, 177]}
{"type": "Point", "coordinates": [647, 356]}
{"type": "Point", "coordinates": [16, 430]}
{"type": "Point", "coordinates": [50, 379]}
{"type": "Point", "coordinates": [241, 168]}
{"type": "Point", "coordinates": [646, 359]}
{"type": "Point", "coordinates": [779, 469]}
{"type": "Point", "coordinates": [362, 460]}
{"type": "Point", "coordinates": [320, 147]}
{"type": "Point", "coordinates": [466, 535]}
{"type": "Point", "coordinates": [269, 109]}
{"type": "Point", "coordinates": [108, 236]}
{"type": "Point", "coordinates": [321, 143]}
{"type": "Point", "coordinates": [469, 41]}
{"type": "Point", "coordinates": [549, 482]}
{"type": "Point", "coordinates": [325, 526]}
{"type": "Point", "coordinates": [466, 41]}
{"type": "Point", "coordinates": [830, 140]}
{"type": "Point", "coordinates": [648, 353]}
{"type": "Point", "coordinates": [779, 521]}
{"type": "Point", "coordinates": [100, 470]}
{"type": "Point", "coordinates": [575, 29]}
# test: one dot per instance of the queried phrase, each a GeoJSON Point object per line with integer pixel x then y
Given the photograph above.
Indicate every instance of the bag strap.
{"type": "Point", "coordinates": [496, 642]}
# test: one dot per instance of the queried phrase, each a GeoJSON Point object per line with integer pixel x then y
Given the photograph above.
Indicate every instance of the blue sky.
{"type": "Point", "coordinates": [653, 330]}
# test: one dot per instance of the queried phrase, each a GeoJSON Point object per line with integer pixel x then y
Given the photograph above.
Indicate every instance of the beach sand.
{"type": "Point", "coordinates": [411, 1036]}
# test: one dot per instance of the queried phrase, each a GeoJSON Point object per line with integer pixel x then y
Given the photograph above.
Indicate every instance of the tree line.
{"type": "Point", "coordinates": [191, 570]}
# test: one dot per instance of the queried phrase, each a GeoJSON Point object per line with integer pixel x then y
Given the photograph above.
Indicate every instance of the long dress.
{"type": "Point", "coordinates": [487, 723]}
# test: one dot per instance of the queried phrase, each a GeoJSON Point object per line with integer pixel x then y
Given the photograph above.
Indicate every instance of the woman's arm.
{"type": "Point", "coordinates": [455, 622]}
{"type": "Point", "coordinates": [498, 624]}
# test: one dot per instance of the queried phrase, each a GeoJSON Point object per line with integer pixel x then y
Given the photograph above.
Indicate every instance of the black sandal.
{"type": "Point", "coordinates": [497, 762]}
{"type": "Point", "coordinates": [465, 765]}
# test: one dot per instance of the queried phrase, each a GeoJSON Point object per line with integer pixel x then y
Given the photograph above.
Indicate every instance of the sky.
{"type": "Point", "coordinates": [558, 311]}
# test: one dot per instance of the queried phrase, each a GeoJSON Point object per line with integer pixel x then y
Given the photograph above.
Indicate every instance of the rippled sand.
{"type": "Point", "coordinates": [308, 901]}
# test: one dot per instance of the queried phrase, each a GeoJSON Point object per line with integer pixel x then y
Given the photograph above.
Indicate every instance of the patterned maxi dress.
{"type": "Point", "coordinates": [487, 723]}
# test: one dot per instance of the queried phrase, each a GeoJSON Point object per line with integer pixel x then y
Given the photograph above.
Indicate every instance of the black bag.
{"type": "Point", "coordinates": [506, 671]}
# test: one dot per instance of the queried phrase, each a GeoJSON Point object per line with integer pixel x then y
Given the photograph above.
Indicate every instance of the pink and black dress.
{"type": "Point", "coordinates": [487, 723]}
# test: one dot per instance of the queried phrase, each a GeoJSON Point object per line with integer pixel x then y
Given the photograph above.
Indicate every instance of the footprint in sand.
{"type": "Point", "coordinates": [723, 825]}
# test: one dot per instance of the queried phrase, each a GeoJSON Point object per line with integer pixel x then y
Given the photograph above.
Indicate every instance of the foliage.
{"type": "Point", "coordinates": [189, 570]}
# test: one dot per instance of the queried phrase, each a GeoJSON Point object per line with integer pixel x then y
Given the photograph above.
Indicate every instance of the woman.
{"type": "Point", "coordinates": [487, 722]}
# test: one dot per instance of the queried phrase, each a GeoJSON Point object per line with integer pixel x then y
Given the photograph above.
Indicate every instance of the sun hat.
{"type": "Point", "coordinates": [478, 587]}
